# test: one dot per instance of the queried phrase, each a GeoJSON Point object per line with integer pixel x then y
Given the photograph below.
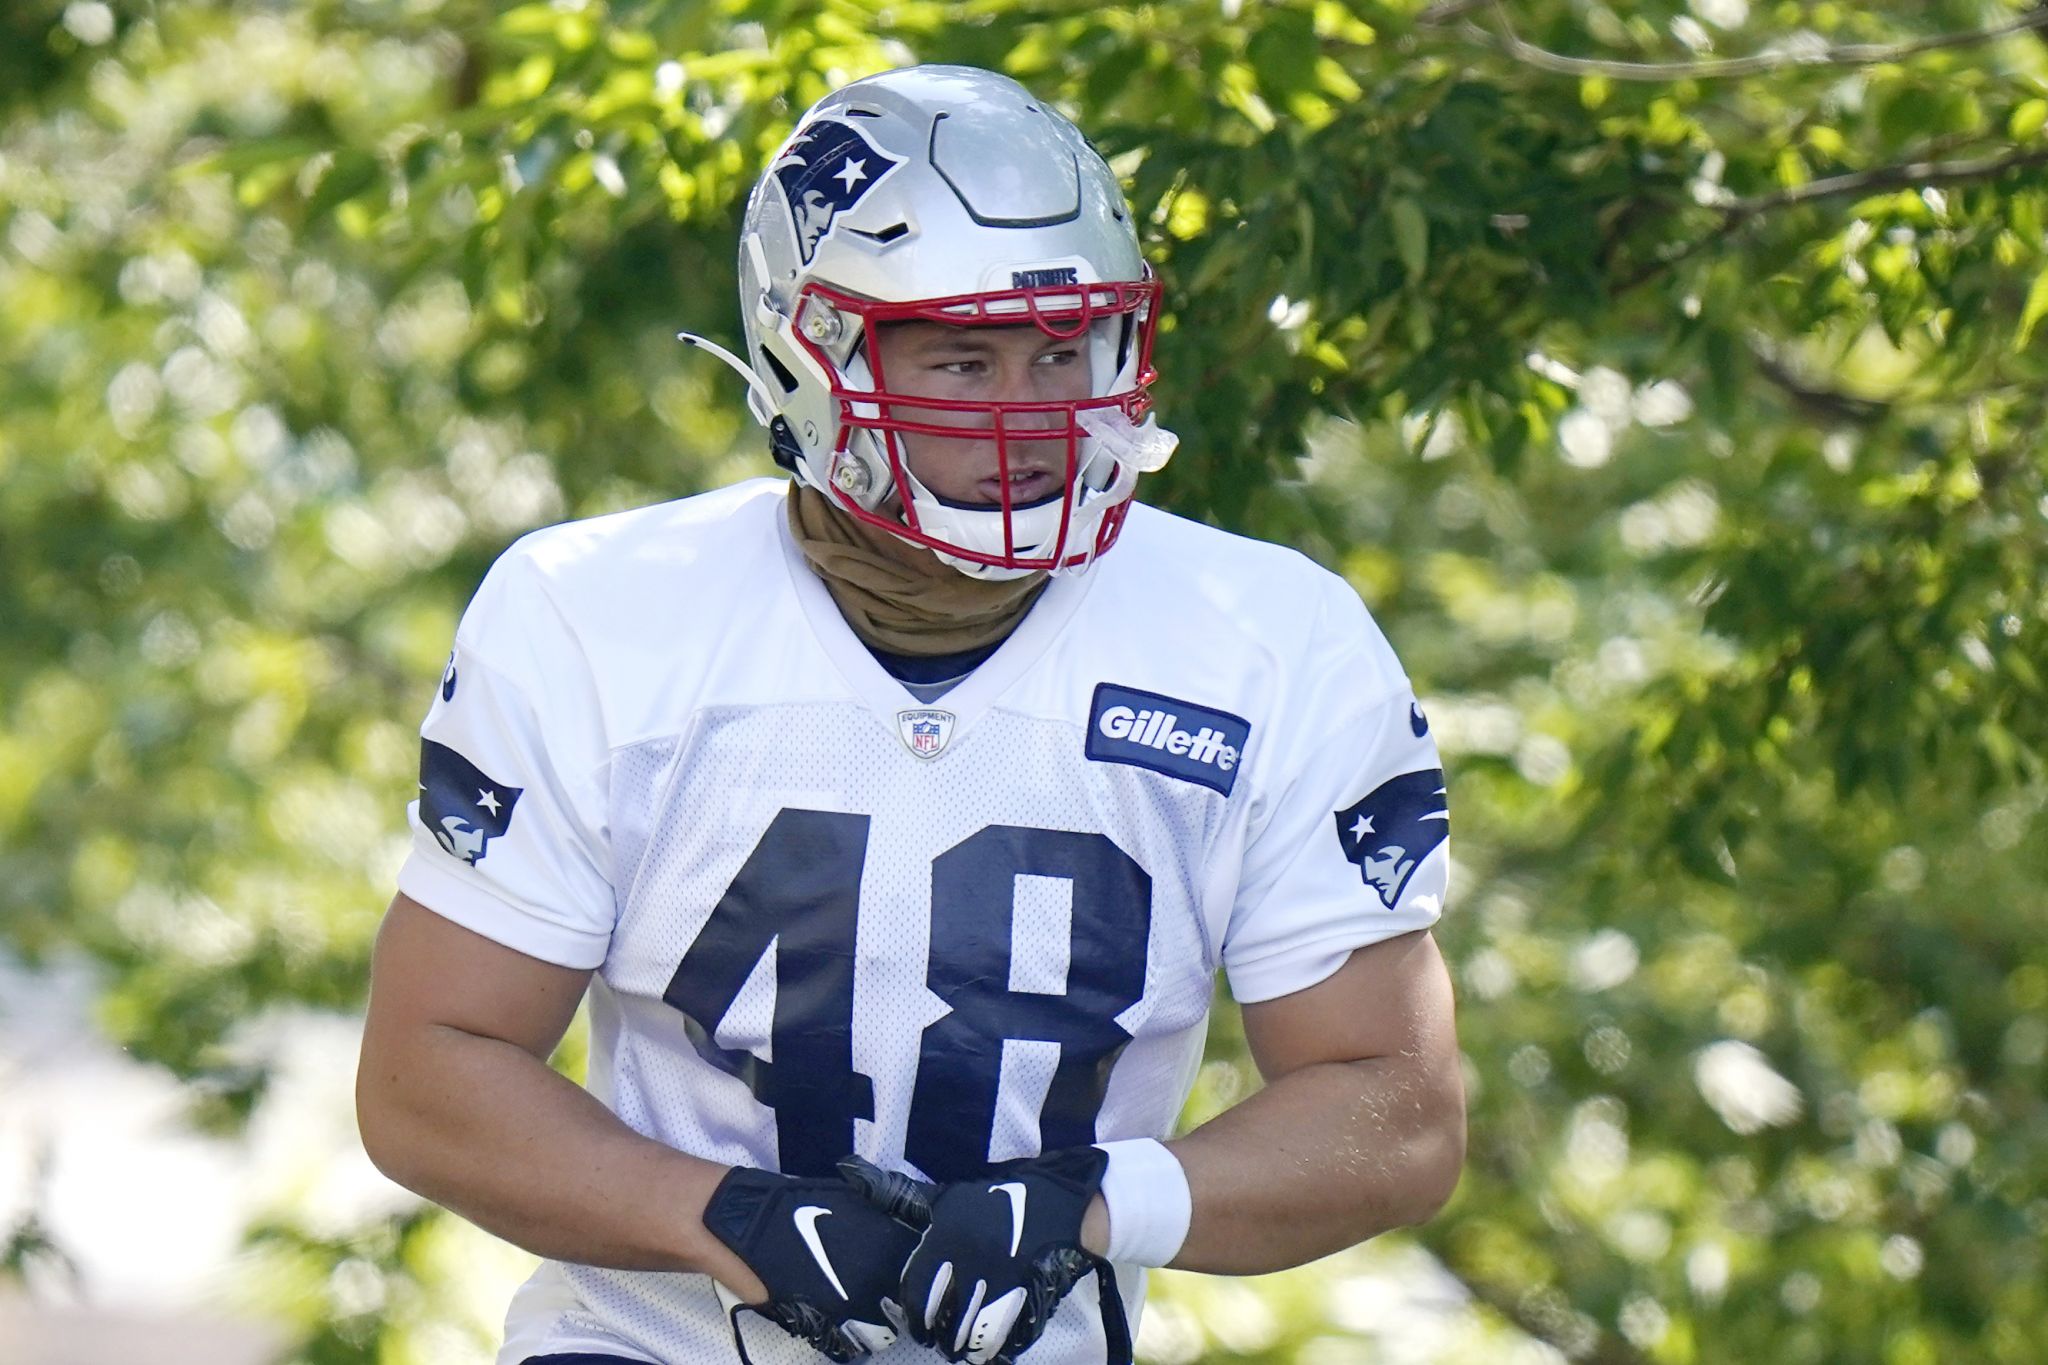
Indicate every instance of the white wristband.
{"type": "Point", "coordinates": [1146, 1193]}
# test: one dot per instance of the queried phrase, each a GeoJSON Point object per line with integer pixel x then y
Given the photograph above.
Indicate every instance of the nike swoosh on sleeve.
{"type": "Point", "coordinates": [807, 1228]}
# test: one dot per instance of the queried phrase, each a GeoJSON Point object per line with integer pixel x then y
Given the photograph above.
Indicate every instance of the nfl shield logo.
{"type": "Point", "coordinates": [925, 731]}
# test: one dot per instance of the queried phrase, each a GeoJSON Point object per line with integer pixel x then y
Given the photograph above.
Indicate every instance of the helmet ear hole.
{"type": "Point", "coordinates": [780, 370]}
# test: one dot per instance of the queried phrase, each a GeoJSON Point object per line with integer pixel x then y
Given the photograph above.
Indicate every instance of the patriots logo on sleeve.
{"type": "Point", "coordinates": [463, 805]}
{"type": "Point", "coordinates": [1390, 832]}
{"type": "Point", "coordinates": [825, 171]}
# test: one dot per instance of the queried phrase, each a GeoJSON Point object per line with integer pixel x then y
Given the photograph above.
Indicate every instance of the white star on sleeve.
{"type": "Point", "coordinates": [853, 172]}
{"type": "Point", "coordinates": [488, 800]}
{"type": "Point", "coordinates": [1358, 831]}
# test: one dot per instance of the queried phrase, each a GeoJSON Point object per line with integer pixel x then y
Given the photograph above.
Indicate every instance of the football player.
{"type": "Point", "coordinates": [896, 817]}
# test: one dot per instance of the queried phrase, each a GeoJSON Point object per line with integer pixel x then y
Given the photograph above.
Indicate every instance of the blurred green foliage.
{"type": "Point", "coordinates": [1668, 379]}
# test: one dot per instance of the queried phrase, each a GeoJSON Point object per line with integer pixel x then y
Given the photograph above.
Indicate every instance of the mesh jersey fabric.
{"type": "Point", "coordinates": [809, 938]}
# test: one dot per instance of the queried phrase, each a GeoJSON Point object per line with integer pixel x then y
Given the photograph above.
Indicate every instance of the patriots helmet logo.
{"type": "Point", "coordinates": [824, 171]}
{"type": "Point", "coordinates": [463, 806]}
{"type": "Point", "coordinates": [1390, 832]}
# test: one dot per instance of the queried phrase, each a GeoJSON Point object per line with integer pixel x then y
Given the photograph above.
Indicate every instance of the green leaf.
{"type": "Point", "coordinates": [2027, 120]}
{"type": "Point", "coordinates": [1283, 53]}
{"type": "Point", "coordinates": [528, 21]}
{"type": "Point", "coordinates": [1411, 236]}
{"type": "Point", "coordinates": [352, 173]}
{"type": "Point", "coordinates": [2036, 308]}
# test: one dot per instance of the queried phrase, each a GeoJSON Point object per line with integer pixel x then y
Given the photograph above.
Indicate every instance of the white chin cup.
{"type": "Point", "coordinates": [1034, 531]}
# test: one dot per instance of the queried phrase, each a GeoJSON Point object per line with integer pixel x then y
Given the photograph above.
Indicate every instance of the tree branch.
{"type": "Point", "coordinates": [1832, 407]}
{"type": "Point", "coordinates": [1444, 11]}
{"type": "Point", "coordinates": [1606, 1349]}
{"type": "Point", "coordinates": [1728, 68]}
{"type": "Point", "coordinates": [1503, 1163]}
{"type": "Point", "coordinates": [1908, 175]}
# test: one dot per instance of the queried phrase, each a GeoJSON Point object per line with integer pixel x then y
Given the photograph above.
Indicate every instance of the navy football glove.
{"type": "Point", "coordinates": [828, 1257]}
{"type": "Point", "coordinates": [998, 1253]}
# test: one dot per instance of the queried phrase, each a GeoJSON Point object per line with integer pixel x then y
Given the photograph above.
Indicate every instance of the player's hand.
{"type": "Point", "coordinates": [828, 1257]}
{"type": "Point", "coordinates": [998, 1252]}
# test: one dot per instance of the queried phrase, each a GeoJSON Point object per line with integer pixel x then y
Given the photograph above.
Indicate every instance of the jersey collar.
{"type": "Point", "coordinates": [883, 695]}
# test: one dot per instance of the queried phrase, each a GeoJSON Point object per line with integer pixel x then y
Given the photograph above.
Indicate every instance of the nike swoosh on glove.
{"type": "Point", "coordinates": [828, 1257]}
{"type": "Point", "coordinates": [998, 1253]}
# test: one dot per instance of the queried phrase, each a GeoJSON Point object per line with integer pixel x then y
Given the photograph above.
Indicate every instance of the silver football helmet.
{"type": "Point", "coordinates": [951, 195]}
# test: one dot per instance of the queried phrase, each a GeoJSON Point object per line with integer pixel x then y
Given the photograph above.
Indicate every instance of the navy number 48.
{"type": "Point", "coordinates": [800, 891]}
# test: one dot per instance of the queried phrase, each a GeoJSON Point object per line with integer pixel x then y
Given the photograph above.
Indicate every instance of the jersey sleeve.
{"type": "Point", "coordinates": [509, 832]}
{"type": "Point", "coordinates": [1349, 843]}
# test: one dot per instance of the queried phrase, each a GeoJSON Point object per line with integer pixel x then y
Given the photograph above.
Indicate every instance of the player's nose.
{"type": "Point", "coordinates": [1024, 383]}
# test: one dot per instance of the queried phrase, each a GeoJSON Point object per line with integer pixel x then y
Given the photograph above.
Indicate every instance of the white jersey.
{"type": "Point", "coordinates": [826, 917]}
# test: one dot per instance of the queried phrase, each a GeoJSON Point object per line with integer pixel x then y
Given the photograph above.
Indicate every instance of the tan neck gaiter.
{"type": "Point", "coordinates": [897, 596]}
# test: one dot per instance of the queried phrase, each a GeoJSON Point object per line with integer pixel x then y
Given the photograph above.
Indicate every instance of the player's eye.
{"type": "Point", "coordinates": [1066, 356]}
{"type": "Point", "coordinates": [961, 367]}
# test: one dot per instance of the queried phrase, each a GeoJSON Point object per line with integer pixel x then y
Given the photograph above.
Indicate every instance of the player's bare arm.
{"type": "Point", "coordinates": [456, 1101]}
{"type": "Point", "coordinates": [1360, 1128]}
